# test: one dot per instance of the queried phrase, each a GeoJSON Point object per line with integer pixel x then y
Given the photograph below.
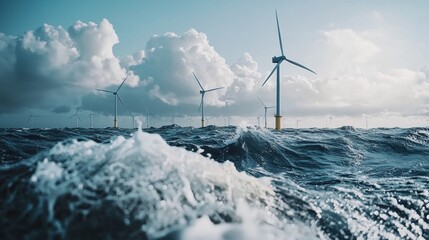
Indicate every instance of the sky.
{"type": "Point", "coordinates": [371, 59]}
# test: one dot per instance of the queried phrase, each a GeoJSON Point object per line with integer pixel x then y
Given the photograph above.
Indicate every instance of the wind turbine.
{"type": "Point", "coordinates": [77, 117]}
{"type": "Point", "coordinates": [227, 112]}
{"type": "Point", "coordinates": [30, 119]}
{"type": "Point", "coordinates": [259, 121]}
{"type": "Point", "coordinates": [91, 115]}
{"type": "Point", "coordinates": [134, 119]}
{"type": "Point", "coordinates": [266, 108]}
{"type": "Point", "coordinates": [203, 92]}
{"type": "Point", "coordinates": [278, 61]}
{"type": "Point", "coordinates": [116, 94]}
{"type": "Point", "coordinates": [207, 119]}
{"type": "Point", "coordinates": [147, 116]}
{"type": "Point", "coordinates": [173, 118]}
{"type": "Point", "coordinates": [330, 122]}
{"type": "Point", "coordinates": [297, 123]}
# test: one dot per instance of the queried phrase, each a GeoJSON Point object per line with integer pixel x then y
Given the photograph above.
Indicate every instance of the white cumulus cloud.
{"type": "Point", "coordinates": [51, 65]}
{"type": "Point", "coordinates": [170, 60]}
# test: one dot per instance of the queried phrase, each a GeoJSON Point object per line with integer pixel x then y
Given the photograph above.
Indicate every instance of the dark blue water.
{"type": "Point", "coordinates": [214, 183]}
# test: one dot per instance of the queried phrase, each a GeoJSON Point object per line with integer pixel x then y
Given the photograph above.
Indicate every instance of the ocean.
{"type": "Point", "coordinates": [214, 183]}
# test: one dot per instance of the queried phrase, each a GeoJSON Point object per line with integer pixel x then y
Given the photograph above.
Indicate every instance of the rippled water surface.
{"type": "Point", "coordinates": [214, 183]}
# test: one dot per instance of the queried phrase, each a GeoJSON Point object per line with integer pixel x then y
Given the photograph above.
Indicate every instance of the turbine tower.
{"type": "Point", "coordinates": [116, 94]}
{"type": "Point", "coordinates": [203, 92]}
{"type": "Point", "coordinates": [77, 117]}
{"type": "Point", "coordinates": [30, 119]}
{"type": "Point", "coordinates": [278, 61]}
{"type": "Point", "coordinates": [266, 108]}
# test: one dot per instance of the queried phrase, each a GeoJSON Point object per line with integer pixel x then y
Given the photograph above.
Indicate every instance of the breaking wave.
{"type": "Point", "coordinates": [214, 183]}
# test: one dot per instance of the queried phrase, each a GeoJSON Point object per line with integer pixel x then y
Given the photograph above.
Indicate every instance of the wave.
{"type": "Point", "coordinates": [139, 186]}
{"type": "Point", "coordinates": [220, 182]}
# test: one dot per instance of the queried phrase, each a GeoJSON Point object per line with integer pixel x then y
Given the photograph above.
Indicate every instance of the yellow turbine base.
{"type": "Point", "coordinates": [278, 122]}
{"type": "Point", "coordinates": [202, 123]}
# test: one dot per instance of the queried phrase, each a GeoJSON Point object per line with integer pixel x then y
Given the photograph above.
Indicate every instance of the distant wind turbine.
{"type": "Point", "coordinates": [133, 118]}
{"type": "Point", "coordinates": [207, 119]}
{"type": "Point", "coordinates": [278, 61]}
{"type": "Point", "coordinates": [77, 117]}
{"type": "Point", "coordinates": [91, 115]}
{"type": "Point", "coordinates": [297, 123]}
{"type": "Point", "coordinates": [330, 122]}
{"type": "Point", "coordinates": [259, 121]}
{"type": "Point", "coordinates": [227, 112]}
{"type": "Point", "coordinates": [265, 108]}
{"type": "Point", "coordinates": [203, 92]}
{"type": "Point", "coordinates": [147, 116]}
{"type": "Point", "coordinates": [173, 118]}
{"type": "Point", "coordinates": [30, 119]}
{"type": "Point", "coordinates": [116, 94]}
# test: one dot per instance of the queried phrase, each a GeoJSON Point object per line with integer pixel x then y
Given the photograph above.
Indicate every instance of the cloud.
{"type": "Point", "coordinates": [52, 65]}
{"type": "Point", "coordinates": [170, 59]}
{"type": "Point", "coordinates": [355, 86]}
{"type": "Point", "coordinates": [348, 46]}
{"type": "Point", "coordinates": [53, 68]}
{"type": "Point", "coordinates": [359, 92]}
{"type": "Point", "coordinates": [61, 109]}
{"type": "Point", "coordinates": [168, 86]}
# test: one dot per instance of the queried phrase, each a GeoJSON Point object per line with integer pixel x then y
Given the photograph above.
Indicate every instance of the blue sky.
{"type": "Point", "coordinates": [388, 42]}
{"type": "Point", "coordinates": [233, 27]}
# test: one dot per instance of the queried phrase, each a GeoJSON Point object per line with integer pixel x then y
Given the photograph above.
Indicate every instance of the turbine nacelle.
{"type": "Point", "coordinates": [278, 59]}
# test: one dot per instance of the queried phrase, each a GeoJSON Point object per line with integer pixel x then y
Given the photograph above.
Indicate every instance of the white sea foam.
{"type": "Point", "coordinates": [165, 188]}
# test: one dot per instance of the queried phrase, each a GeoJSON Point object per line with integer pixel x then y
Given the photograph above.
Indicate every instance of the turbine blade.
{"type": "Point", "coordinates": [122, 84]}
{"type": "Point", "coordinates": [280, 36]}
{"type": "Point", "coordinates": [71, 116]}
{"type": "Point", "coordinates": [299, 65]}
{"type": "Point", "coordinates": [262, 102]}
{"type": "Point", "coordinates": [122, 102]}
{"type": "Point", "coordinates": [198, 82]}
{"type": "Point", "coordinates": [270, 107]}
{"type": "Point", "coordinates": [78, 117]}
{"type": "Point", "coordinates": [102, 90]}
{"type": "Point", "coordinates": [214, 89]}
{"type": "Point", "coordinates": [274, 69]}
